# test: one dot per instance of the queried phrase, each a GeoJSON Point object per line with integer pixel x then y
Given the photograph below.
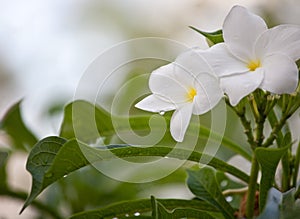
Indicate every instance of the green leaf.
{"type": "Point", "coordinates": [161, 211]}
{"type": "Point", "coordinates": [87, 123]}
{"type": "Point", "coordinates": [268, 158]}
{"type": "Point", "coordinates": [212, 37]}
{"type": "Point", "coordinates": [3, 159]}
{"type": "Point", "coordinates": [296, 166]}
{"type": "Point", "coordinates": [130, 208]}
{"type": "Point", "coordinates": [203, 184]}
{"type": "Point", "coordinates": [282, 140]}
{"type": "Point", "coordinates": [38, 162]}
{"type": "Point", "coordinates": [84, 121]}
{"type": "Point", "coordinates": [14, 126]}
{"type": "Point", "coordinates": [53, 157]}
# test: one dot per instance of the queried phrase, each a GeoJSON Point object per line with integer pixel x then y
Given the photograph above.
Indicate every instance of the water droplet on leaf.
{"type": "Point", "coordinates": [224, 183]}
{"type": "Point", "coordinates": [229, 198]}
{"type": "Point", "coordinates": [161, 113]}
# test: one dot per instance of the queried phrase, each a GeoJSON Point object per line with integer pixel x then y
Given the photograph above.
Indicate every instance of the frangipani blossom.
{"type": "Point", "coordinates": [253, 56]}
{"type": "Point", "coordinates": [188, 86]}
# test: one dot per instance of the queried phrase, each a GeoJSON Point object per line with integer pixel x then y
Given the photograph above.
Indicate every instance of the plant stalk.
{"type": "Point", "coordinates": [252, 188]}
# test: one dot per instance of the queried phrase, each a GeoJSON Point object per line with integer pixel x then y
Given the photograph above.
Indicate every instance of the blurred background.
{"type": "Point", "coordinates": [45, 47]}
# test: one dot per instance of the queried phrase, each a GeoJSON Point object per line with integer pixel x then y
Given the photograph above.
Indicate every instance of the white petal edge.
{"type": "Point", "coordinates": [280, 39]}
{"type": "Point", "coordinates": [209, 93]}
{"type": "Point", "coordinates": [222, 60]}
{"type": "Point", "coordinates": [193, 64]}
{"type": "Point", "coordinates": [153, 103]}
{"type": "Point", "coordinates": [180, 121]}
{"type": "Point", "coordinates": [281, 74]}
{"type": "Point", "coordinates": [241, 29]}
{"type": "Point", "coordinates": [240, 85]}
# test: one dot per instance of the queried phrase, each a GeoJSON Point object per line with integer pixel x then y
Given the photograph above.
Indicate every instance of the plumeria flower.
{"type": "Point", "coordinates": [253, 56]}
{"type": "Point", "coordinates": [188, 86]}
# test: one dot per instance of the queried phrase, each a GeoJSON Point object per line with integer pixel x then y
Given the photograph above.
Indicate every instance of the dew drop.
{"type": "Point", "coordinates": [65, 176]}
{"type": "Point", "coordinates": [229, 198]}
{"type": "Point", "coordinates": [162, 113]}
{"type": "Point", "coordinates": [224, 183]}
{"type": "Point", "coordinates": [137, 214]}
{"type": "Point", "coordinates": [126, 215]}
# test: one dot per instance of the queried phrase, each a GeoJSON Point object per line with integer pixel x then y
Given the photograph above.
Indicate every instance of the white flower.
{"type": "Point", "coordinates": [188, 86]}
{"type": "Point", "coordinates": [253, 56]}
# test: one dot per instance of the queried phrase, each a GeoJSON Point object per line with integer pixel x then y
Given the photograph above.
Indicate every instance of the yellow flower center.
{"type": "Point", "coordinates": [253, 65]}
{"type": "Point", "coordinates": [191, 94]}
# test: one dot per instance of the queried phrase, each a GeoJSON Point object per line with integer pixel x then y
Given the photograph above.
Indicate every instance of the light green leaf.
{"type": "Point", "coordinates": [130, 208]}
{"type": "Point", "coordinates": [161, 211]}
{"type": "Point", "coordinates": [87, 123]}
{"type": "Point", "coordinates": [53, 157]}
{"type": "Point", "coordinates": [268, 158]}
{"type": "Point", "coordinates": [296, 165]}
{"type": "Point", "coordinates": [84, 121]}
{"type": "Point", "coordinates": [12, 123]}
{"type": "Point", "coordinates": [203, 184]}
{"type": "Point", "coordinates": [212, 37]}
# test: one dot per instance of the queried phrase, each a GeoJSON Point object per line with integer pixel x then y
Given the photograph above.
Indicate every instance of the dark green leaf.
{"type": "Point", "coordinates": [212, 37]}
{"type": "Point", "coordinates": [14, 126]}
{"type": "Point", "coordinates": [53, 157]}
{"type": "Point", "coordinates": [3, 159]}
{"type": "Point", "coordinates": [204, 185]}
{"type": "Point", "coordinates": [87, 123]}
{"type": "Point", "coordinates": [161, 211]}
{"type": "Point", "coordinates": [38, 162]}
{"type": "Point", "coordinates": [129, 208]}
{"type": "Point", "coordinates": [268, 158]}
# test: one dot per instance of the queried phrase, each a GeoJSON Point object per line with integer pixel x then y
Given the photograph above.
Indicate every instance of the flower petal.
{"type": "Point", "coordinates": [280, 39]}
{"type": "Point", "coordinates": [241, 28]}
{"type": "Point", "coordinates": [209, 93]}
{"type": "Point", "coordinates": [193, 64]}
{"type": "Point", "coordinates": [153, 103]}
{"type": "Point", "coordinates": [162, 82]}
{"type": "Point", "coordinates": [240, 85]}
{"type": "Point", "coordinates": [180, 121]}
{"type": "Point", "coordinates": [281, 74]}
{"type": "Point", "coordinates": [222, 60]}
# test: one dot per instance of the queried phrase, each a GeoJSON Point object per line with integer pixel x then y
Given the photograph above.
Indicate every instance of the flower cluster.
{"type": "Point", "coordinates": [251, 56]}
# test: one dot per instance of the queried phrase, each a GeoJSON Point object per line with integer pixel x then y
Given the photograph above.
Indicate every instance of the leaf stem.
{"type": "Point", "coordinates": [241, 113]}
{"type": "Point", "coordinates": [252, 188]}
{"type": "Point", "coordinates": [277, 127]}
{"type": "Point", "coordinates": [39, 205]}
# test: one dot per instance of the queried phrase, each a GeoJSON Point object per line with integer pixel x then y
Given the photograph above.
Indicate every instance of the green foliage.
{"type": "Point", "coordinates": [161, 211]}
{"type": "Point", "coordinates": [212, 37]}
{"type": "Point", "coordinates": [54, 157]}
{"type": "Point", "coordinates": [87, 123]}
{"type": "Point", "coordinates": [268, 159]}
{"type": "Point", "coordinates": [203, 184]}
{"type": "Point", "coordinates": [3, 159]}
{"type": "Point", "coordinates": [12, 123]}
{"type": "Point", "coordinates": [140, 208]}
